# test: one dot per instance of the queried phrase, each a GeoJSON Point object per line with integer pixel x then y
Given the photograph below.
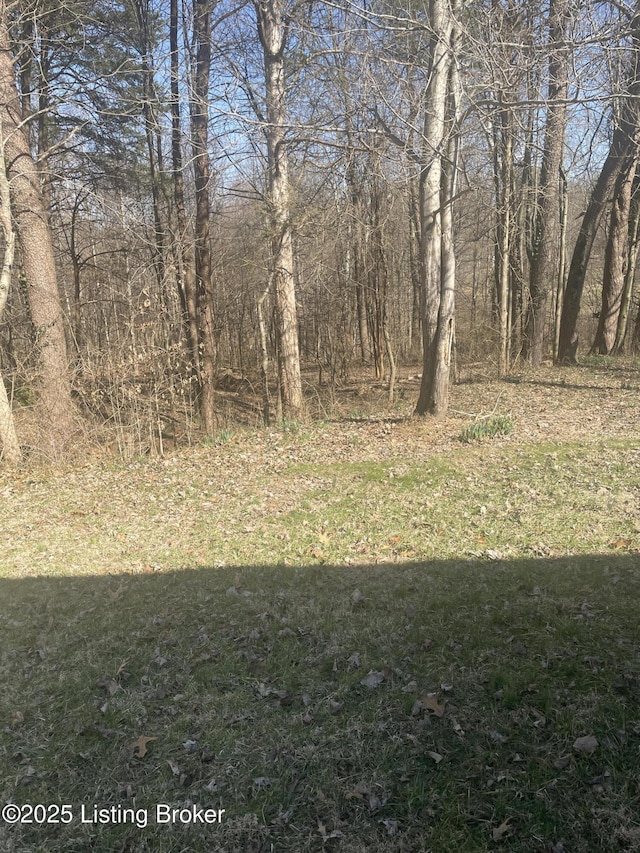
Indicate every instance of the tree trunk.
{"type": "Point", "coordinates": [272, 32]}
{"type": "Point", "coordinates": [202, 174]}
{"type": "Point", "coordinates": [439, 379]}
{"type": "Point", "coordinates": [626, 138]}
{"type": "Point", "coordinates": [545, 249]}
{"type": "Point", "coordinates": [9, 447]}
{"type": "Point", "coordinates": [54, 388]}
{"type": "Point", "coordinates": [434, 136]}
{"type": "Point", "coordinates": [503, 179]}
{"type": "Point", "coordinates": [186, 271]}
{"type": "Point", "coordinates": [630, 273]}
{"type": "Point", "coordinates": [615, 261]}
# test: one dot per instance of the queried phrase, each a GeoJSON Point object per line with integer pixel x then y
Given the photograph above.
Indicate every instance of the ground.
{"type": "Point", "coordinates": [360, 633]}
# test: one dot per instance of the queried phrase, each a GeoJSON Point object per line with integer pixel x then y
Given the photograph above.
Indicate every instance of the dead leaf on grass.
{"type": "Point", "coordinates": [373, 679]}
{"type": "Point", "coordinates": [139, 746]}
{"type": "Point", "coordinates": [499, 832]}
{"type": "Point", "coordinates": [587, 744]}
{"type": "Point", "coordinates": [430, 703]}
{"type": "Point", "coordinates": [621, 544]}
{"type": "Point", "coordinates": [327, 835]}
{"type": "Point", "coordinates": [390, 825]}
{"type": "Point", "coordinates": [436, 756]}
{"type": "Point", "coordinates": [356, 597]}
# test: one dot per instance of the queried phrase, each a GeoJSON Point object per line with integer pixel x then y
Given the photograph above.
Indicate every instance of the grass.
{"type": "Point", "coordinates": [487, 427]}
{"type": "Point", "coordinates": [274, 611]}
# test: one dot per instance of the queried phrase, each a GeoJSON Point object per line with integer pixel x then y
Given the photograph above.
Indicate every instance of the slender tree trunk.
{"type": "Point", "coordinates": [545, 249]}
{"type": "Point", "coordinates": [202, 173]}
{"type": "Point", "coordinates": [615, 261]}
{"type": "Point", "coordinates": [439, 378]}
{"type": "Point", "coordinates": [630, 274]}
{"type": "Point", "coordinates": [187, 281]}
{"type": "Point", "coordinates": [434, 136]}
{"type": "Point", "coordinates": [562, 268]}
{"type": "Point", "coordinates": [54, 389]}
{"type": "Point", "coordinates": [272, 32]}
{"type": "Point", "coordinates": [503, 178]}
{"type": "Point", "coordinates": [626, 139]}
{"type": "Point", "coordinates": [9, 447]}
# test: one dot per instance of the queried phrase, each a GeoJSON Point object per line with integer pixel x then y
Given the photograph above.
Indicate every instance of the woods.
{"type": "Point", "coordinates": [281, 195]}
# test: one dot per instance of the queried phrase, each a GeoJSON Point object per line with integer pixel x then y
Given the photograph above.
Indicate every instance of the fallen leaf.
{"type": "Point", "coordinates": [390, 825]}
{"type": "Point", "coordinates": [430, 703]}
{"type": "Point", "coordinates": [139, 746]}
{"type": "Point", "coordinates": [356, 597]}
{"type": "Point", "coordinates": [587, 744]}
{"type": "Point", "coordinates": [498, 737]}
{"type": "Point", "coordinates": [373, 679]}
{"type": "Point", "coordinates": [498, 833]}
{"type": "Point", "coordinates": [436, 756]}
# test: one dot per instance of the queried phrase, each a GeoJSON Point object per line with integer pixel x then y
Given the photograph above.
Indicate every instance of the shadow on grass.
{"type": "Point", "coordinates": [299, 700]}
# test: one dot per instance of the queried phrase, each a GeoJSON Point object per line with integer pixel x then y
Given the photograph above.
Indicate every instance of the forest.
{"type": "Point", "coordinates": [272, 197]}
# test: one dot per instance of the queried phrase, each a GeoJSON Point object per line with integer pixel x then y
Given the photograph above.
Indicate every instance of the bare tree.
{"type": "Point", "coordinates": [624, 144]}
{"type": "Point", "coordinates": [54, 389]}
{"type": "Point", "coordinates": [544, 259]}
{"type": "Point", "coordinates": [437, 318]}
{"type": "Point", "coordinates": [273, 32]}
{"type": "Point", "coordinates": [202, 172]}
{"type": "Point", "coordinates": [184, 251]}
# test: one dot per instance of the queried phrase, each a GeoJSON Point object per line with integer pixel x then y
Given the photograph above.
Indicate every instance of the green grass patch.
{"type": "Point", "coordinates": [487, 427]}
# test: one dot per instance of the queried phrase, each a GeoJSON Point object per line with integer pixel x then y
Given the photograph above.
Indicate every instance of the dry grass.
{"type": "Point", "coordinates": [274, 609]}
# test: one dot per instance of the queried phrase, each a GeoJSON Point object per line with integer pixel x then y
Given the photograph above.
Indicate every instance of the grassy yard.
{"type": "Point", "coordinates": [362, 634]}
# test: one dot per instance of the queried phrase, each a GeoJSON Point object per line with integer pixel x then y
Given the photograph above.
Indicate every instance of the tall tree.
{"type": "Point", "coordinates": [202, 172]}
{"type": "Point", "coordinates": [624, 144]}
{"type": "Point", "coordinates": [434, 143]}
{"type": "Point", "coordinates": [54, 387]}
{"type": "Point", "coordinates": [186, 275]}
{"type": "Point", "coordinates": [273, 31]}
{"type": "Point", "coordinates": [544, 259]}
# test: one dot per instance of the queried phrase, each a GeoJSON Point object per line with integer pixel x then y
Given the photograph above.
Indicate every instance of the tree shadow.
{"type": "Point", "coordinates": [262, 685]}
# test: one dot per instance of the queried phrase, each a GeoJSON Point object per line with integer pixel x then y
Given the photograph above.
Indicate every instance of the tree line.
{"type": "Point", "coordinates": [193, 189]}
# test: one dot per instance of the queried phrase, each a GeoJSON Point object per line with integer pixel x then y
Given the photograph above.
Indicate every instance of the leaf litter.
{"type": "Point", "coordinates": [303, 647]}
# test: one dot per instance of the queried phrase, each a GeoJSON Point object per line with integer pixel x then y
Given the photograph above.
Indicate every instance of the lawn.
{"type": "Point", "coordinates": [360, 634]}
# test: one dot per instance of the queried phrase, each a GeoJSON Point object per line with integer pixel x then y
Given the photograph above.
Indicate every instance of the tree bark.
{"type": "Point", "coordinates": [186, 271]}
{"type": "Point", "coordinates": [630, 273]}
{"type": "Point", "coordinates": [626, 138]}
{"type": "Point", "coordinates": [272, 32]}
{"type": "Point", "coordinates": [615, 262]}
{"type": "Point", "coordinates": [202, 173]}
{"type": "Point", "coordinates": [434, 139]}
{"type": "Point", "coordinates": [31, 216]}
{"type": "Point", "coordinates": [9, 447]}
{"type": "Point", "coordinates": [545, 248]}
{"type": "Point", "coordinates": [443, 346]}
